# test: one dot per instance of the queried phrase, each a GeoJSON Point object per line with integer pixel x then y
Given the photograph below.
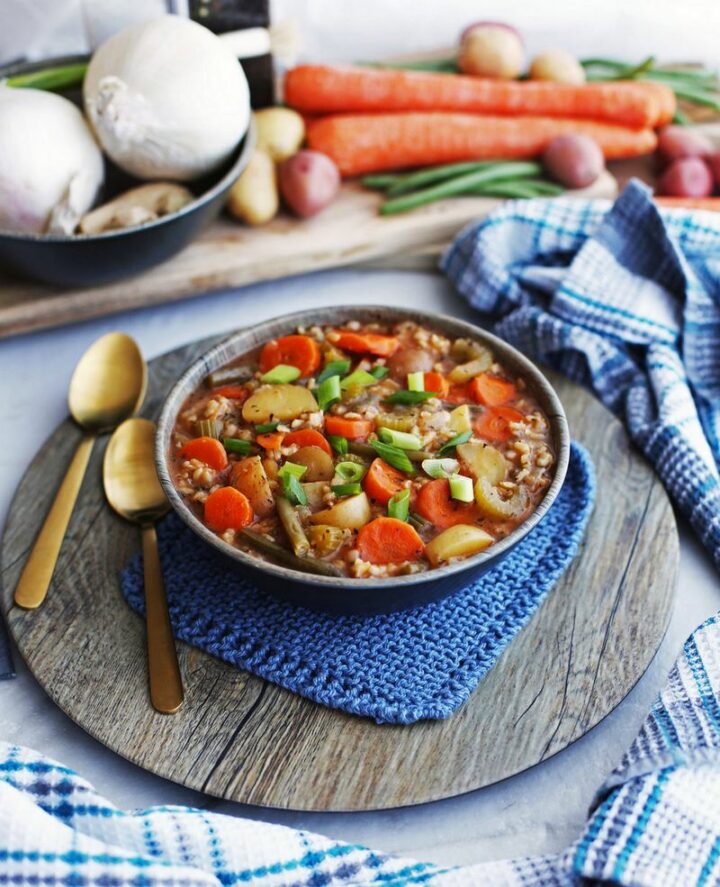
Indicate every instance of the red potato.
{"type": "Point", "coordinates": [491, 49]}
{"type": "Point", "coordinates": [573, 160]}
{"type": "Point", "coordinates": [686, 177]}
{"type": "Point", "coordinates": [676, 142]}
{"type": "Point", "coordinates": [309, 181]}
{"type": "Point", "coordinates": [713, 161]}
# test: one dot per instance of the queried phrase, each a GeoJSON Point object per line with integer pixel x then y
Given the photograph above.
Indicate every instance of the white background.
{"type": "Point", "coordinates": [539, 811]}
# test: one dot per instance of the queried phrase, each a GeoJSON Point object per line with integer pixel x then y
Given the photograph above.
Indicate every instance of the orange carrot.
{"type": "Point", "coordinates": [437, 383]}
{"type": "Point", "coordinates": [307, 437]}
{"type": "Point", "coordinates": [234, 392]}
{"type": "Point", "coordinates": [207, 450]}
{"type": "Point", "coordinates": [336, 89]}
{"type": "Point", "coordinates": [435, 504]}
{"type": "Point", "coordinates": [353, 429]}
{"type": "Point", "coordinates": [667, 103]}
{"type": "Point", "coordinates": [382, 481]}
{"type": "Point", "coordinates": [494, 423]}
{"type": "Point", "coordinates": [363, 143]}
{"type": "Point", "coordinates": [491, 390]}
{"type": "Point", "coordinates": [387, 540]}
{"type": "Point", "coordinates": [457, 394]}
{"type": "Point", "coordinates": [271, 441]}
{"type": "Point", "coordinates": [227, 509]}
{"type": "Point", "coordinates": [297, 351]}
{"type": "Point", "coordinates": [365, 343]}
{"type": "Point", "coordinates": [711, 204]}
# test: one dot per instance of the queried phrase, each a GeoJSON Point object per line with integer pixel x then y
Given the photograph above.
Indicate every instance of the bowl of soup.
{"type": "Point", "coordinates": [362, 459]}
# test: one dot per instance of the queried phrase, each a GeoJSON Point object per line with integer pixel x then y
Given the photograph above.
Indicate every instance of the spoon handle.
{"type": "Point", "coordinates": [39, 567]}
{"type": "Point", "coordinates": [166, 689]}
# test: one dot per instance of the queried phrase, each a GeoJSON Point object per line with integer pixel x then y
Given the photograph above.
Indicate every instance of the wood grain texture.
{"type": "Point", "coordinates": [228, 254]}
{"type": "Point", "coordinates": [241, 738]}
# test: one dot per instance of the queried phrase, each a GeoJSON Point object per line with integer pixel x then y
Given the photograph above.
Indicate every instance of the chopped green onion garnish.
{"type": "Point", "coordinates": [293, 490]}
{"type": "Point", "coordinates": [334, 368]}
{"type": "Point", "coordinates": [449, 445]}
{"type": "Point", "coordinates": [339, 444]}
{"type": "Point", "coordinates": [416, 381]}
{"type": "Point", "coordinates": [399, 505]}
{"type": "Point", "coordinates": [440, 467]}
{"type": "Point", "coordinates": [281, 374]}
{"type": "Point", "coordinates": [266, 428]}
{"type": "Point", "coordinates": [400, 439]}
{"type": "Point", "coordinates": [394, 456]}
{"type": "Point", "coordinates": [379, 372]}
{"type": "Point", "coordinates": [236, 445]}
{"type": "Point", "coordinates": [292, 468]}
{"type": "Point", "coordinates": [346, 489]}
{"type": "Point", "coordinates": [461, 488]}
{"type": "Point", "coordinates": [350, 471]}
{"type": "Point", "coordinates": [358, 379]}
{"type": "Point", "coordinates": [410, 397]}
{"type": "Point", "coordinates": [328, 392]}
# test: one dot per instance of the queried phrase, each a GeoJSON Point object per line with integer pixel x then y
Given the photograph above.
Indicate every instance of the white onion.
{"type": "Point", "coordinates": [167, 99]}
{"type": "Point", "coordinates": [50, 165]}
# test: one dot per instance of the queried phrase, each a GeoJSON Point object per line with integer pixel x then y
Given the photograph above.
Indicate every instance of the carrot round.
{"type": "Point", "coordinates": [273, 440]}
{"type": "Point", "coordinates": [382, 481]}
{"type": "Point", "coordinates": [234, 392]}
{"type": "Point", "coordinates": [366, 343]}
{"type": "Point", "coordinates": [491, 390]}
{"type": "Point", "coordinates": [494, 423]}
{"type": "Point", "coordinates": [437, 383]}
{"type": "Point", "coordinates": [435, 504]}
{"type": "Point", "coordinates": [328, 89]}
{"type": "Point", "coordinates": [711, 204]}
{"type": "Point", "coordinates": [364, 143]}
{"type": "Point", "coordinates": [307, 437]}
{"type": "Point", "coordinates": [297, 351]}
{"type": "Point", "coordinates": [387, 540]}
{"type": "Point", "coordinates": [353, 429]}
{"type": "Point", "coordinates": [207, 450]}
{"type": "Point", "coordinates": [227, 509]}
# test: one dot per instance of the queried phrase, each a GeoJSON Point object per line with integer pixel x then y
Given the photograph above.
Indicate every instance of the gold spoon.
{"type": "Point", "coordinates": [133, 490]}
{"type": "Point", "coordinates": [108, 385]}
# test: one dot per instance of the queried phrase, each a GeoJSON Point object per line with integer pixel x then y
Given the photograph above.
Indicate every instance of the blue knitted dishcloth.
{"type": "Point", "coordinates": [397, 668]}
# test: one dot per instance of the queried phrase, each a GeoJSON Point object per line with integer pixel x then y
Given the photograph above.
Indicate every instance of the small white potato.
{"type": "Point", "coordinates": [491, 49]}
{"type": "Point", "coordinates": [558, 66]}
{"type": "Point", "coordinates": [351, 513]}
{"type": "Point", "coordinates": [280, 403]}
{"type": "Point", "coordinates": [255, 198]}
{"type": "Point", "coordinates": [279, 131]}
{"type": "Point", "coordinates": [483, 461]}
{"type": "Point", "coordinates": [462, 540]}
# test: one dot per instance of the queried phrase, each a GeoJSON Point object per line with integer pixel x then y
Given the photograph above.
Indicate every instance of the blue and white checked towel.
{"type": "Point", "coordinates": [627, 302]}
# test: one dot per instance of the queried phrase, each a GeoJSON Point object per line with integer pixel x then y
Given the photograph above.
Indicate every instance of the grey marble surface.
{"type": "Point", "coordinates": [538, 811]}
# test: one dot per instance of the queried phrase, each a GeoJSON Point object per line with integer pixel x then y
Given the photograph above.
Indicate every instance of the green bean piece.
{"type": "Point", "coordinates": [208, 428]}
{"type": "Point", "coordinates": [62, 77]}
{"type": "Point", "coordinates": [286, 558]}
{"type": "Point", "coordinates": [431, 175]}
{"type": "Point", "coordinates": [227, 375]}
{"type": "Point", "coordinates": [500, 172]}
{"type": "Point", "coordinates": [381, 181]}
{"type": "Point", "coordinates": [418, 522]}
{"type": "Point", "coordinates": [266, 428]}
{"type": "Point", "coordinates": [522, 189]}
{"type": "Point", "coordinates": [291, 524]}
{"type": "Point", "coordinates": [409, 397]}
{"type": "Point", "coordinates": [441, 66]}
{"type": "Point", "coordinates": [237, 445]}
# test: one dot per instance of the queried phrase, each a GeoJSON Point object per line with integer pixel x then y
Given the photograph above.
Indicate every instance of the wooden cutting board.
{"type": "Point", "coordinates": [229, 254]}
{"type": "Point", "coordinates": [241, 738]}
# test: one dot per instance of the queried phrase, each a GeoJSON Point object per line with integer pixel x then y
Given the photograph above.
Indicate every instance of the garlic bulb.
{"type": "Point", "coordinates": [167, 99]}
{"type": "Point", "coordinates": [51, 168]}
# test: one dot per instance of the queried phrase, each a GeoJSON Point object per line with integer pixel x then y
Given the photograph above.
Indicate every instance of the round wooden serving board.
{"type": "Point", "coordinates": [241, 738]}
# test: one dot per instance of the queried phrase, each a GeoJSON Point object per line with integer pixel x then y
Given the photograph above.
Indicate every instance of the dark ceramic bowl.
{"type": "Point", "coordinates": [90, 259]}
{"type": "Point", "coordinates": [344, 595]}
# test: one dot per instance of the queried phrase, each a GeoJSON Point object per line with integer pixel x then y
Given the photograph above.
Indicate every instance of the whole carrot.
{"type": "Point", "coordinates": [332, 89]}
{"type": "Point", "coordinates": [710, 204]}
{"type": "Point", "coordinates": [363, 143]}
